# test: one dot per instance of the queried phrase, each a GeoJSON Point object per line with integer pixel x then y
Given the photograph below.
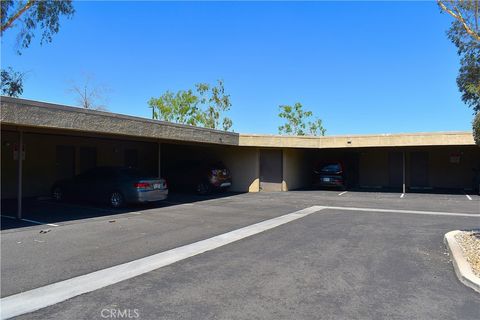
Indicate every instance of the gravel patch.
{"type": "Point", "coordinates": [469, 241]}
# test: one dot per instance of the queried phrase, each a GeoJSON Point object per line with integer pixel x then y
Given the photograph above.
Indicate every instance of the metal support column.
{"type": "Point", "coordinates": [20, 167]}
{"type": "Point", "coordinates": [403, 168]}
{"type": "Point", "coordinates": [159, 159]}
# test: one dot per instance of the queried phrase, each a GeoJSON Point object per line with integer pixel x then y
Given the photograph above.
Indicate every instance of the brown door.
{"type": "Point", "coordinates": [395, 169]}
{"type": "Point", "coordinates": [65, 162]}
{"type": "Point", "coordinates": [419, 170]}
{"type": "Point", "coordinates": [88, 158]}
{"type": "Point", "coordinates": [131, 158]}
{"type": "Point", "coordinates": [271, 170]}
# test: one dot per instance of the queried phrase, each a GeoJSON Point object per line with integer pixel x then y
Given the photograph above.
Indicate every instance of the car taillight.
{"type": "Point", "coordinates": [142, 185]}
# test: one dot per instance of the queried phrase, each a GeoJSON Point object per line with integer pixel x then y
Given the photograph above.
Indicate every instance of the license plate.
{"type": "Point", "coordinates": [157, 186]}
{"type": "Point", "coordinates": [326, 179]}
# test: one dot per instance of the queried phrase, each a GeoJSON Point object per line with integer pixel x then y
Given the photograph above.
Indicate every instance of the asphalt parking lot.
{"type": "Point", "coordinates": [350, 261]}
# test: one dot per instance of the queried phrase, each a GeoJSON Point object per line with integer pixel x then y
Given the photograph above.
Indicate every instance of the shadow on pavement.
{"type": "Point", "coordinates": [48, 211]}
{"type": "Point", "coordinates": [394, 190]}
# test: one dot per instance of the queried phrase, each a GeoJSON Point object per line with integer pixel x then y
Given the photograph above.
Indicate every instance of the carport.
{"type": "Point", "coordinates": [43, 142]}
{"type": "Point", "coordinates": [418, 162]}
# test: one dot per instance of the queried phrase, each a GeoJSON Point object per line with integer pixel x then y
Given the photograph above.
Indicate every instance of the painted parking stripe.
{"type": "Point", "coordinates": [32, 221]}
{"type": "Point", "coordinates": [39, 222]}
{"type": "Point", "coordinates": [342, 193]}
{"type": "Point", "coordinates": [469, 198]}
{"type": "Point", "coordinates": [42, 297]}
{"type": "Point", "coordinates": [436, 213]}
{"type": "Point", "coordinates": [9, 217]}
{"type": "Point", "coordinates": [402, 195]}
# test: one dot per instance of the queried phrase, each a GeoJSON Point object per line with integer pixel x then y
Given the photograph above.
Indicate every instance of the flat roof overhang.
{"type": "Point", "coordinates": [42, 115]}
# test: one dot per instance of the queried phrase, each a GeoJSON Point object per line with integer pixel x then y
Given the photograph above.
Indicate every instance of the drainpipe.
{"type": "Point", "coordinates": [20, 167]}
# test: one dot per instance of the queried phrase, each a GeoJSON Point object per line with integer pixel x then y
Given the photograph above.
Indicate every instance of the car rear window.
{"type": "Point", "coordinates": [130, 172]}
{"type": "Point", "coordinates": [331, 168]}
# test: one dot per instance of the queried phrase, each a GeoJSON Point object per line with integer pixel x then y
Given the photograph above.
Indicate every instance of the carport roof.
{"type": "Point", "coordinates": [36, 114]}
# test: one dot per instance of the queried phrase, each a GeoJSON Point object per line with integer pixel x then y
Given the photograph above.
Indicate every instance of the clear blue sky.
{"type": "Point", "coordinates": [363, 67]}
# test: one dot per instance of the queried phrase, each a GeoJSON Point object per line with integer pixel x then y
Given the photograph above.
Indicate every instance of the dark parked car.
{"type": "Point", "coordinates": [202, 177]}
{"type": "Point", "coordinates": [113, 185]}
{"type": "Point", "coordinates": [329, 174]}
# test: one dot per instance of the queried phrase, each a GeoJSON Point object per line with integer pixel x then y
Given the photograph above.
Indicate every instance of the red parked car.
{"type": "Point", "coordinates": [202, 177]}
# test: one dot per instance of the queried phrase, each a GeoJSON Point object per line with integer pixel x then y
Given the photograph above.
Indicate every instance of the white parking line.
{"type": "Point", "coordinates": [33, 221]}
{"type": "Point", "coordinates": [9, 217]}
{"type": "Point", "coordinates": [42, 297]}
{"type": "Point", "coordinates": [436, 213]}
{"type": "Point", "coordinates": [402, 195]}
{"type": "Point", "coordinates": [342, 193]}
{"type": "Point", "coordinates": [469, 198]}
{"type": "Point", "coordinates": [39, 222]}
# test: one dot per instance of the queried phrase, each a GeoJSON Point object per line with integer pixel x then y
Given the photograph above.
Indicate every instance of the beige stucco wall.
{"type": "Point", "coordinates": [373, 168]}
{"type": "Point", "coordinates": [359, 141]}
{"type": "Point", "coordinates": [296, 169]}
{"type": "Point", "coordinates": [242, 162]}
{"type": "Point", "coordinates": [445, 174]}
{"type": "Point", "coordinates": [39, 166]}
{"type": "Point", "coordinates": [244, 167]}
{"type": "Point", "coordinates": [9, 165]}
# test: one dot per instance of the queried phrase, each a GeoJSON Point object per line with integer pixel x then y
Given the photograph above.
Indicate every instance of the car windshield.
{"type": "Point", "coordinates": [331, 168]}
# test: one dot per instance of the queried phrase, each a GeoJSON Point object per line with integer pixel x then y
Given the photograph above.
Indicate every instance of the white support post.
{"type": "Point", "coordinates": [403, 168]}
{"type": "Point", "coordinates": [159, 159]}
{"type": "Point", "coordinates": [20, 173]}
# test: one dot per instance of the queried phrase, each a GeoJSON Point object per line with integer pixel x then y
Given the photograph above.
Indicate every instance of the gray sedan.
{"type": "Point", "coordinates": [113, 185]}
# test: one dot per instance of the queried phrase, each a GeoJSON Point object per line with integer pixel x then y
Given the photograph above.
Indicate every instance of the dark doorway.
{"type": "Point", "coordinates": [88, 158]}
{"type": "Point", "coordinates": [395, 169]}
{"type": "Point", "coordinates": [419, 170]}
{"type": "Point", "coordinates": [131, 158]}
{"type": "Point", "coordinates": [271, 170]}
{"type": "Point", "coordinates": [65, 162]}
{"type": "Point", "coordinates": [351, 161]}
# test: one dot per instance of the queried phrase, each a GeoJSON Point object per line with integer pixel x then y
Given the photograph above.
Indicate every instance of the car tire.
{"type": "Point", "coordinates": [57, 193]}
{"type": "Point", "coordinates": [203, 188]}
{"type": "Point", "coordinates": [116, 200]}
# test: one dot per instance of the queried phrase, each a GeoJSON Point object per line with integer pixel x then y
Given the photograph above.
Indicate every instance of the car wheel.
{"type": "Point", "coordinates": [57, 194]}
{"type": "Point", "coordinates": [203, 188]}
{"type": "Point", "coordinates": [116, 200]}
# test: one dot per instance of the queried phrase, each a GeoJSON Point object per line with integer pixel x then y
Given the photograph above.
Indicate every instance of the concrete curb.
{"type": "Point", "coordinates": [460, 264]}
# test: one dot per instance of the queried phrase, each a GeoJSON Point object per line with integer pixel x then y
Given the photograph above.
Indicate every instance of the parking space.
{"type": "Point", "coordinates": [98, 238]}
{"type": "Point", "coordinates": [348, 263]}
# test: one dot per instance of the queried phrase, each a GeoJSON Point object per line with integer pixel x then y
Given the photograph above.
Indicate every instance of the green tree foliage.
{"type": "Point", "coordinates": [12, 82]}
{"type": "Point", "coordinates": [180, 107]}
{"type": "Point", "coordinates": [32, 15]}
{"type": "Point", "coordinates": [464, 32]}
{"type": "Point", "coordinates": [215, 102]}
{"type": "Point", "coordinates": [298, 121]}
{"type": "Point", "coordinates": [29, 17]}
{"type": "Point", "coordinates": [476, 128]}
{"type": "Point", "coordinates": [205, 107]}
